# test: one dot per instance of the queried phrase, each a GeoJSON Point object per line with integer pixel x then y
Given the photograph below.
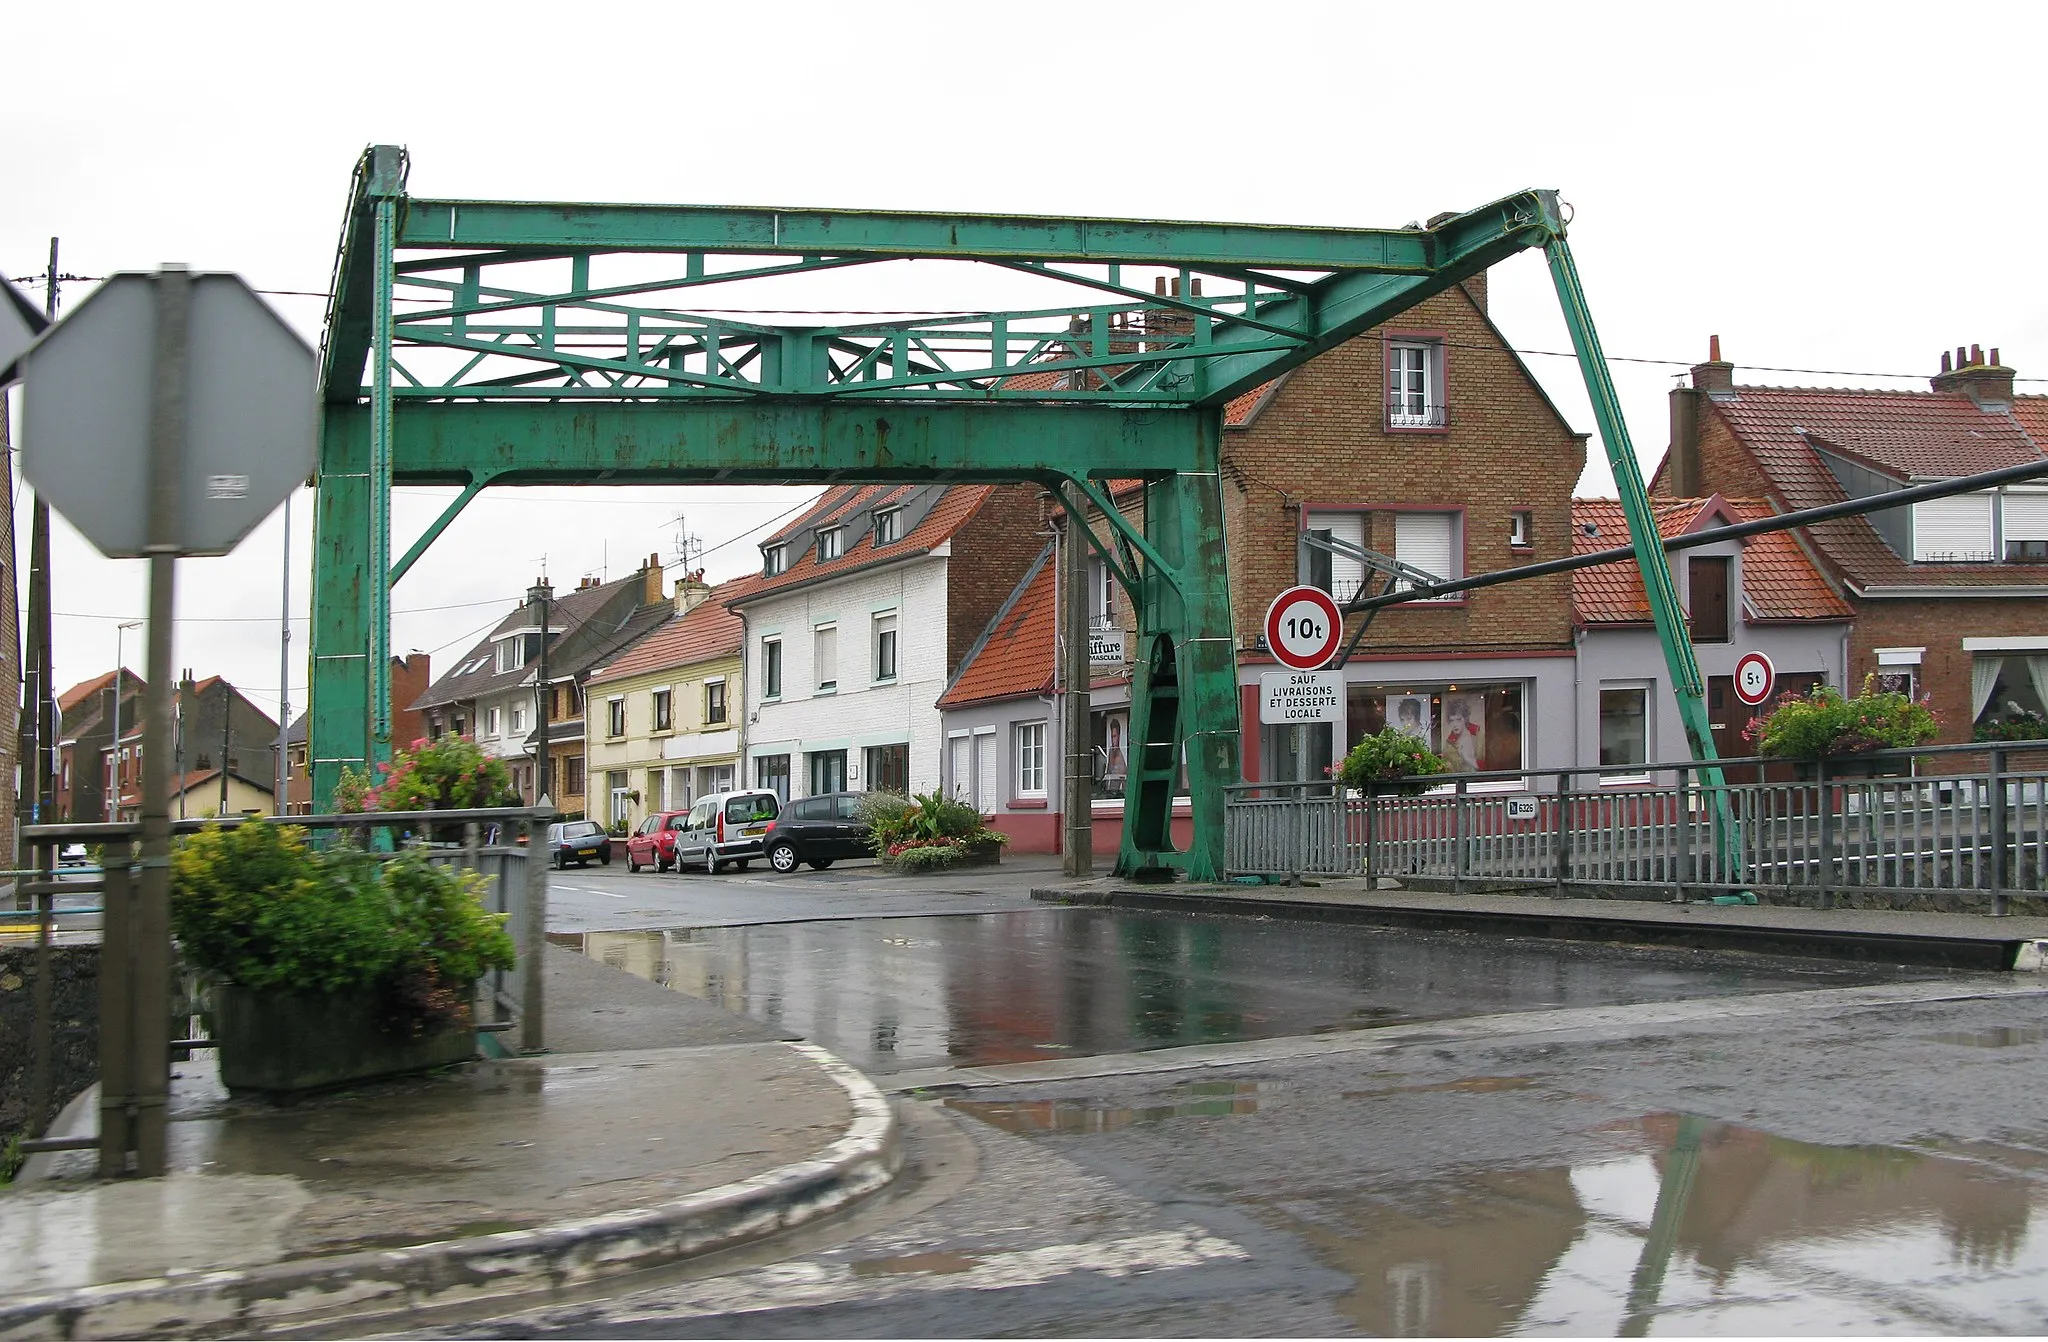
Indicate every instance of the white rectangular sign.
{"type": "Point", "coordinates": [1521, 808]}
{"type": "Point", "coordinates": [1301, 696]}
{"type": "Point", "coordinates": [1105, 645]}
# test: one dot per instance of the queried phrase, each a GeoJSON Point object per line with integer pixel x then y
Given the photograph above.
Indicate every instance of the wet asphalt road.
{"type": "Point", "coordinates": [1841, 1160]}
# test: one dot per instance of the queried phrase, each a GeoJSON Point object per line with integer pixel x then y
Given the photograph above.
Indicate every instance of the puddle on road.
{"type": "Point", "coordinates": [1702, 1227]}
{"type": "Point", "coordinates": [1204, 1099]}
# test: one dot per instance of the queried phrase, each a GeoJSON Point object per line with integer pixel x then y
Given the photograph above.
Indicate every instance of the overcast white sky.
{"type": "Point", "coordinates": [1828, 187]}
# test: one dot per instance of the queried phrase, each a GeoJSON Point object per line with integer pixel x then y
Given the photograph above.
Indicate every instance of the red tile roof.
{"type": "Point", "coordinates": [705, 631]}
{"type": "Point", "coordinates": [1015, 656]}
{"type": "Point", "coordinates": [1779, 581]}
{"type": "Point", "coordinates": [948, 515]}
{"type": "Point", "coordinates": [1906, 434]}
{"type": "Point", "coordinates": [82, 691]}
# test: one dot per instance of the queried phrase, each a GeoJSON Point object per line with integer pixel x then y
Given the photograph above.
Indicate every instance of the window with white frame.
{"type": "Point", "coordinates": [771, 668]}
{"type": "Point", "coordinates": [1101, 594]}
{"type": "Point", "coordinates": [490, 722]}
{"type": "Point", "coordinates": [1428, 541]}
{"type": "Point", "coordinates": [615, 717]}
{"type": "Point", "coordinates": [888, 526]}
{"type": "Point", "coordinates": [664, 713]}
{"type": "Point", "coordinates": [1339, 575]}
{"type": "Point", "coordinates": [714, 702]}
{"type": "Point", "coordinates": [511, 654]}
{"type": "Point", "coordinates": [830, 543]}
{"type": "Point", "coordinates": [1898, 671]}
{"type": "Point", "coordinates": [1954, 530]}
{"type": "Point", "coordinates": [2023, 524]}
{"type": "Point", "coordinates": [1415, 384]}
{"type": "Point", "coordinates": [825, 656]}
{"type": "Point", "coordinates": [518, 718]}
{"type": "Point", "coordinates": [1521, 529]}
{"type": "Point", "coordinates": [1624, 725]}
{"type": "Point", "coordinates": [1030, 757]}
{"type": "Point", "coordinates": [774, 559]}
{"type": "Point", "coordinates": [885, 646]}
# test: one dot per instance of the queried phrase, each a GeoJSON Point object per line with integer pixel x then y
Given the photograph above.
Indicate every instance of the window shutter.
{"type": "Point", "coordinates": [1339, 575]}
{"type": "Point", "coordinates": [2026, 517]}
{"type": "Point", "coordinates": [1423, 540]}
{"type": "Point", "coordinates": [1952, 529]}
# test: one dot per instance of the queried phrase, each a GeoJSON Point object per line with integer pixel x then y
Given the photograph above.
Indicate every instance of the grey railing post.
{"type": "Point", "coordinates": [532, 990]}
{"type": "Point", "coordinates": [1460, 858]}
{"type": "Point", "coordinates": [1367, 799]}
{"type": "Point", "coordinates": [1827, 833]}
{"type": "Point", "coordinates": [1681, 861]}
{"type": "Point", "coordinates": [2001, 837]}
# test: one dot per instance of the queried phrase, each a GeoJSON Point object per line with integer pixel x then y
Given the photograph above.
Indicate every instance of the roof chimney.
{"type": "Point", "coordinates": [1715, 375]}
{"type": "Point", "coordinates": [691, 591]}
{"type": "Point", "coordinates": [1987, 384]}
{"type": "Point", "coordinates": [650, 581]}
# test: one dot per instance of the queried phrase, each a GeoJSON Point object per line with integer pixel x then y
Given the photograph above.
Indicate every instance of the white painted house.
{"type": "Point", "coordinates": [861, 611]}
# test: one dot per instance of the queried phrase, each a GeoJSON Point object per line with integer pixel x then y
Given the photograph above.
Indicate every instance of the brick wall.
{"type": "Point", "coordinates": [991, 550]}
{"type": "Point", "coordinates": [1322, 439]}
{"type": "Point", "coordinates": [1940, 626]}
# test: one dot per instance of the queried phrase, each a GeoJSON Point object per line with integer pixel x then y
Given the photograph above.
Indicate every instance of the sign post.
{"type": "Point", "coordinates": [192, 386]}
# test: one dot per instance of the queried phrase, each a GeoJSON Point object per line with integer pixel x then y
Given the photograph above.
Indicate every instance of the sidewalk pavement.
{"type": "Point", "coordinates": [657, 1128]}
{"type": "Point", "coordinates": [1955, 940]}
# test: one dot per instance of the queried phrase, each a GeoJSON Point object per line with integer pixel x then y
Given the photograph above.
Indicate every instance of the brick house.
{"type": "Point", "coordinates": [1428, 441]}
{"type": "Point", "coordinates": [85, 733]}
{"type": "Point", "coordinates": [218, 734]}
{"type": "Point", "coordinates": [491, 695]}
{"type": "Point", "coordinates": [863, 608]}
{"type": "Point", "coordinates": [1947, 594]}
{"type": "Point", "coordinates": [665, 729]}
{"type": "Point", "coordinates": [1760, 594]}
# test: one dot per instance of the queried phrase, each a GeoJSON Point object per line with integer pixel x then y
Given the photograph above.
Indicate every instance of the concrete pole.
{"type": "Point", "coordinates": [1078, 794]}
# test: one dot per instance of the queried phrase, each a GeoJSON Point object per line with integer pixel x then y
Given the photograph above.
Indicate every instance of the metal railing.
{"type": "Point", "coordinates": [1965, 820]}
{"type": "Point", "coordinates": [499, 843]}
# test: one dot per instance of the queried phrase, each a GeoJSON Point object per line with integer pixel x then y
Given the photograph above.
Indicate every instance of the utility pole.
{"type": "Point", "coordinates": [1078, 851]}
{"type": "Point", "coordinates": [39, 709]}
{"type": "Point", "coordinates": [539, 596]}
{"type": "Point", "coordinates": [227, 739]}
{"type": "Point", "coordinates": [278, 804]}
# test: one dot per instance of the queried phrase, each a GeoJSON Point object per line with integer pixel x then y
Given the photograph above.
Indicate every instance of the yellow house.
{"type": "Point", "coordinates": [661, 722]}
{"type": "Point", "coordinates": [197, 795]}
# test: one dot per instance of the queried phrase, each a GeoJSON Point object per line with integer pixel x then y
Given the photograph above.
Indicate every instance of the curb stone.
{"type": "Point", "coordinates": [358, 1289]}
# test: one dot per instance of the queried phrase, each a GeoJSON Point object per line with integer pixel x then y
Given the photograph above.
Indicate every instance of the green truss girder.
{"type": "Point", "coordinates": [468, 344]}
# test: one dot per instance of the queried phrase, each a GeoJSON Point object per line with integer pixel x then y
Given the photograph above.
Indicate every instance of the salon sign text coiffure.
{"type": "Point", "coordinates": [1301, 696]}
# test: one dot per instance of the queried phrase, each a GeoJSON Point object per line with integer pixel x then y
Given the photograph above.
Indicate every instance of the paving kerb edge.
{"type": "Point", "coordinates": [1590, 924]}
{"type": "Point", "coordinates": [368, 1285]}
{"type": "Point", "coordinates": [1468, 1029]}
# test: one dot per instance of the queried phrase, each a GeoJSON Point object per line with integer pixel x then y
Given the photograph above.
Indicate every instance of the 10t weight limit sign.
{"type": "Point", "coordinates": [1303, 628]}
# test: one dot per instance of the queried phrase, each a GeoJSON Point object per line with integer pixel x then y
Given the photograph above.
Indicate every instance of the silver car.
{"type": "Point", "coordinates": [726, 827]}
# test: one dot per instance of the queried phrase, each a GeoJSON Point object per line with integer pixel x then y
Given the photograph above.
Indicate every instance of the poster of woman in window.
{"type": "Point", "coordinates": [1464, 738]}
{"type": "Point", "coordinates": [1409, 713]}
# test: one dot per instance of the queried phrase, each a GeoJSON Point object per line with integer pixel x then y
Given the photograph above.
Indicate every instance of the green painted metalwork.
{"type": "Point", "coordinates": [1687, 684]}
{"type": "Point", "coordinates": [440, 524]}
{"type": "Point", "coordinates": [520, 343]}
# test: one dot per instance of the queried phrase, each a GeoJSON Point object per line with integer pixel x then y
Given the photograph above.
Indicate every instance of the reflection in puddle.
{"type": "Point", "coordinates": [1206, 1099]}
{"type": "Point", "coordinates": [1025, 986]}
{"type": "Point", "coordinates": [2002, 1036]}
{"type": "Point", "coordinates": [1706, 1227]}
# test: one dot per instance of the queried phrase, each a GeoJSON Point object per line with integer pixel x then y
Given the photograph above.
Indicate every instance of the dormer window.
{"type": "Point", "coordinates": [829, 542]}
{"type": "Point", "coordinates": [774, 560]}
{"type": "Point", "coordinates": [511, 654]}
{"type": "Point", "coordinates": [888, 526]}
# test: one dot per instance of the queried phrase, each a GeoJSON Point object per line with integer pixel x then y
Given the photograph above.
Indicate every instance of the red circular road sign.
{"type": "Point", "coordinates": [1755, 678]}
{"type": "Point", "coordinates": [1303, 627]}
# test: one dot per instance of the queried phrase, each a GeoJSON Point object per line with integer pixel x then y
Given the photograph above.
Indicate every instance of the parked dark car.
{"type": "Point", "coordinates": [578, 841]}
{"type": "Point", "coordinates": [819, 830]}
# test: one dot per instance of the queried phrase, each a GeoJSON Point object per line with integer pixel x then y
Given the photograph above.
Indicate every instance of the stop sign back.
{"type": "Point", "coordinates": [1303, 627]}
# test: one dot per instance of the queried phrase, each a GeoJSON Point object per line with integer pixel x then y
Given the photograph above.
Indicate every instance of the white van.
{"type": "Point", "coordinates": [726, 827]}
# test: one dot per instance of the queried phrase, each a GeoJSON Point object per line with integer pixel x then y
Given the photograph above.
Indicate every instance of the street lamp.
{"type": "Point", "coordinates": [114, 754]}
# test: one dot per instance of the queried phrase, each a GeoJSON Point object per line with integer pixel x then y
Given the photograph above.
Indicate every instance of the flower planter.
{"type": "Point", "coordinates": [281, 1043]}
{"type": "Point", "coordinates": [1844, 768]}
{"type": "Point", "coordinates": [970, 855]}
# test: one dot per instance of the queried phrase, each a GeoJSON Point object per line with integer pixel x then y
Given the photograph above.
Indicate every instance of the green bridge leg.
{"type": "Point", "coordinates": [1184, 684]}
{"type": "Point", "coordinates": [338, 718]}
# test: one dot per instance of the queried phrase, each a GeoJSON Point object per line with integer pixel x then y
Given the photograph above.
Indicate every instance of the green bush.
{"type": "Point", "coordinates": [1391, 760]}
{"type": "Point", "coordinates": [256, 906]}
{"type": "Point", "coordinates": [448, 773]}
{"type": "Point", "coordinates": [913, 832]}
{"type": "Point", "coordinates": [1826, 723]}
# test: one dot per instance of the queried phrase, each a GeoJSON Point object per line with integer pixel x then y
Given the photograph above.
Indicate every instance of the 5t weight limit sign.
{"type": "Point", "coordinates": [1303, 628]}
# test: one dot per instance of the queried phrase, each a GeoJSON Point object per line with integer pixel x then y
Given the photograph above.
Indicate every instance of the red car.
{"type": "Point", "coordinates": [654, 843]}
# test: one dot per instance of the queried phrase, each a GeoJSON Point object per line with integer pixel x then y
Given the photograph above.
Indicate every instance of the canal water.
{"type": "Point", "coordinates": [974, 990]}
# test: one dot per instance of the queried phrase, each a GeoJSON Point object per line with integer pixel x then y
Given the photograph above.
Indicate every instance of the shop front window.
{"type": "Point", "coordinates": [1478, 728]}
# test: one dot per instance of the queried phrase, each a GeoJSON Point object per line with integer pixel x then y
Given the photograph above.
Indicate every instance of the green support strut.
{"type": "Point", "coordinates": [1686, 682]}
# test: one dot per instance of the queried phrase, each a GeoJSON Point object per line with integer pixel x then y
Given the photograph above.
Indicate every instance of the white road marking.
{"type": "Point", "coordinates": [808, 1284]}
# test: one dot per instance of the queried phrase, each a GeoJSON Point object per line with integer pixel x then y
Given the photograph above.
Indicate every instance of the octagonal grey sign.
{"type": "Point", "coordinates": [251, 415]}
